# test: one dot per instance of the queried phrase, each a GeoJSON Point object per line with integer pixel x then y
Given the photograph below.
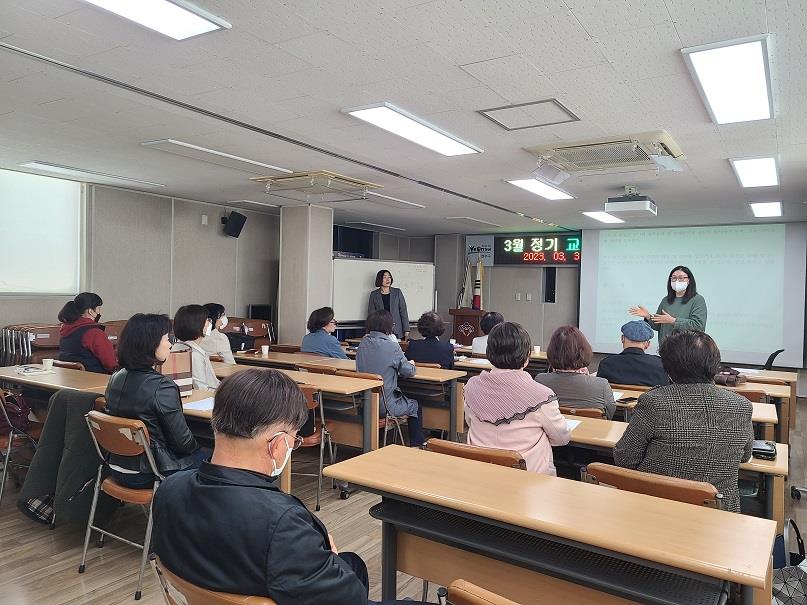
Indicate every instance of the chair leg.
{"type": "Point", "coordinates": [425, 590]}
{"type": "Point", "coordinates": [6, 463]}
{"type": "Point", "coordinates": [384, 444]}
{"type": "Point", "coordinates": [400, 433]}
{"type": "Point", "coordinates": [90, 520]}
{"type": "Point", "coordinates": [321, 459]}
{"type": "Point", "coordinates": [145, 556]}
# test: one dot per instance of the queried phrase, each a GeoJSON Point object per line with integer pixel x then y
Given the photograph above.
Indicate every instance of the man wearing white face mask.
{"type": "Point", "coordinates": [682, 309]}
{"type": "Point", "coordinates": [229, 528]}
{"type": "Point", "coordinates": [217, 342]}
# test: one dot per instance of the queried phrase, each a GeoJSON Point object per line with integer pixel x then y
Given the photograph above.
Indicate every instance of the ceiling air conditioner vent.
{"type": "Point", "coordinates": [654, 149]}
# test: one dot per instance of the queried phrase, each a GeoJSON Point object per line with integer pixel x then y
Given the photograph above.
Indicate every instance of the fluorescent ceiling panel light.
{"type": "Point", "coordinates": [733, 79]}
{"type": "Point", "coordinates": [603, 217]}
{"type": "Point", "coordinates": [397, 121]}
{"type": "Point", "coordinates": [212, 156]}
{"type": "Point", "coordinates": [470, 219]}
{"type": "Point", "coordinates": [395, 199]}
{"type": "Point", "coordinates": [766, 209]}
{"type": "Point", "coordinates": [267, 204]}
{"type": "Point", "coordinates": [756, 172]}
{"type": "Point", "coordinates": [87, 175]}
{"type": "Point", "coordinates": [375, 225]}
{"type": "Point", "coordinates": [540, 188]}
{"type": "Point", "coordinates": [177, 19]}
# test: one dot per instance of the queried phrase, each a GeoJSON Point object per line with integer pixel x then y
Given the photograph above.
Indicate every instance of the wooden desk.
{"type": "Point", "coordinates": [438, 511]}
{"type": "Point", "coordinates": [473, 365]}
{"type": "Point", "coordinates": [61, 378]}
{"type": "Point", "coordinates": [602, 435]}
{"type": "Point", "coordinates": [365, 435]}
{"type": "Point", "coordinates": [433, 417]}
{"type": "Point", "coordinates": [205, 415]}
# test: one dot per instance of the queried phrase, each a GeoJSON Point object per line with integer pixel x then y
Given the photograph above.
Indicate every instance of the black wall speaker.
{"type": "Point", "coordinates": [233, 223]}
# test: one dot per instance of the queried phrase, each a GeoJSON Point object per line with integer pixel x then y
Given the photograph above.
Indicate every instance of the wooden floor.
{"type": "Point", "coordinates": [39, 566]}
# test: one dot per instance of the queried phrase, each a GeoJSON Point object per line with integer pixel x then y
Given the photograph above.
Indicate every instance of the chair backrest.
{"type": "Point", "coordinates": [585, 412]}
{"type": "Point", "coordinates": [70, 365]}
{"type": "Point", "coordinates": [755, 396]}
{"type": "Point", "coordinates": [114, 329]}
{"type": "Point", "coordinates": [490, 455]}
{"type": "Point", "coordinates": [423, 364]}
{"type": "Point", "coordinates": [661, 486]}
{"type": "Point", "coordinates": [121, 436]}
{"type": "Point", "coordinates": [311, 395]}
{"type": "Point", "coordinates": [353, 374]}
{"type": "Point", "coordinates": [181, 592]}
{"type": "Point", "coordinates": [630, 387]}
{"type": "Point", "coordinates": [284, 348]}
{"type": "Point", "coordinates": [315, 369]}
{"type": "Point", "coordinates": [769, 363]}
{"type": "Point", "coordinates": [462, 592]}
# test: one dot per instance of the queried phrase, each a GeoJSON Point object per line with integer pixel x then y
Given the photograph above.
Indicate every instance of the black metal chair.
{"type": "Point", "coordinates": [769, 363]}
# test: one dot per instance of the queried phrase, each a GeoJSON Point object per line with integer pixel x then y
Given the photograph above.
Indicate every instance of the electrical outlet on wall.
{"type": "Point", "coordinates": [529, 296]}
{"type": "Point", "coordinates": [204, 220]}
{"type": "Point", "coordinates": [518, 296]}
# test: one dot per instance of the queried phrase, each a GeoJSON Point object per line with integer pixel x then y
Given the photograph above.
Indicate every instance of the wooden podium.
{"type": "Point", "coordinates": [466, 324]}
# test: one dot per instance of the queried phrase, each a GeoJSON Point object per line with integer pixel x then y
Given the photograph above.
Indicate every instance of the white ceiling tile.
{"type": "Point", "coordinates": [645, 53]}
{"type": "Point", "coordinates": [514, 78]}
{"type": "Point", "coordinates": [605, 18]}
{"type": "Point", "coordinates": [714, 21]}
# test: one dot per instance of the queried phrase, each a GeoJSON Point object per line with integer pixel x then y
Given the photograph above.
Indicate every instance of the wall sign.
{"type": "Point", "coordinates": [545, 249]}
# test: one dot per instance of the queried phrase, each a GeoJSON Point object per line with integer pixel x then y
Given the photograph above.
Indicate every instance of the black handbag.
{"type": "Point", "coordinates": [789, 577]}
{"type": "Point", "coordinates": [764, 450]}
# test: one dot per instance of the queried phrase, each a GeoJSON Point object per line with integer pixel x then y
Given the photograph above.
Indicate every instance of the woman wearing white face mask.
{"type": "Point", "coordinates": [217, 342]}
{"type": "Point", "coordinates": [191, 325]}
{"type": "Point", "coordinates": [682, 309]}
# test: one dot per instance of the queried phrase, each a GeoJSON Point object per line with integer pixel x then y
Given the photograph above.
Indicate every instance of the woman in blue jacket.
{"type": "Point", "coordinates": [320, 338]}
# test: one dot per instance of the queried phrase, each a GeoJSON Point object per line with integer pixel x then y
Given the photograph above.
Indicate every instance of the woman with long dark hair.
{"type": "Point", "coordinates": [82, 337]}
{"type": "Point", "coordinates": [682, 309]}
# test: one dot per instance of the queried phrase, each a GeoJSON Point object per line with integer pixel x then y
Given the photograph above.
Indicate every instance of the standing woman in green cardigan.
{"type": "Point", "coordinates": [682, 309]}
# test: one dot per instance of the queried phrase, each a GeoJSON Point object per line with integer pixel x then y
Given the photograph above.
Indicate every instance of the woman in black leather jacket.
{"type": "Point", "coordinates": [138, 391]}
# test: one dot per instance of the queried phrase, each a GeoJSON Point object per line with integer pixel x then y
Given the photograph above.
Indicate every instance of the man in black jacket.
{"type": "Point", "coordinates": [227, 526]}
{"type": "Point", "coordinates": [633, 365]}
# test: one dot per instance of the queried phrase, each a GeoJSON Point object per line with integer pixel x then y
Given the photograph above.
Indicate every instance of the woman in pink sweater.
{"type": "Point", "coordinates": [505, 408]}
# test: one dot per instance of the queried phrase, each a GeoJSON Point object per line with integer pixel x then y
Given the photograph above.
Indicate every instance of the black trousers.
{"type": "Point", "coordinates": [360, 569]}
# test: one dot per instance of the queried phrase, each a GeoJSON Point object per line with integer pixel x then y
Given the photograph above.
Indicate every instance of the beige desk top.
{"type": "Point", "coordinates": [780, 391]}
{"type": "Point", "coordinates": [198, 395]}
{"type": "Point", "coordinates": [773, 376]}
{"type": "Point", "coordinates": [605, 434]}
{"type": "Point", "coordinates": [61, 378]}
{"type": "Point", "coordinates": [533, 356]}
{"type": "Point", "coordinates": [329, 384]}
{"type": "Point", "coordinates": [697, 539]}
{"type": "Point", "coordinates": [292, 360]}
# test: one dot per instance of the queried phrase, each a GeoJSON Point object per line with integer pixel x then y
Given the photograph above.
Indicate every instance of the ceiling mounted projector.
{"type": "Point", "coordinates": [632, 204]}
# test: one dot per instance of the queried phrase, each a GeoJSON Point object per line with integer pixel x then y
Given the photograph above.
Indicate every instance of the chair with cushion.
{"type": "Point", "coordinates": [319, 437]}
{"type": "Point", "coordinates": [699, 493]}
{"type": "Point", "coordinates": [584, 412]}
{"type": "Point", "coordinates": [771, 359]}
{"type": "Point", "coordinates": [181, 592]}
{"type": "Point", "coordinates": [389, 422]}
{"type": "Point", "coordinates": [490, 455]}
{"type": "Point", "coordinates": [123, 437]}
{"type": "Point", "coordinates": [70, 365]}
{"type": "Point", "coordinates": [461, 592]}
{"type": "Point", "coordinates": [14, 440]}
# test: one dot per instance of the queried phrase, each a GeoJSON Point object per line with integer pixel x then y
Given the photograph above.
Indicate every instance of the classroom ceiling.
{"type": "Point", "coordinates": [289, 68]}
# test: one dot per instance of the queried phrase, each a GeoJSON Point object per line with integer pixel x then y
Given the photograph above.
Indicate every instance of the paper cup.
{"type": "Point", "coordinates": [264, 349]}
{"type": "Point", "coordinates": [47, 364]}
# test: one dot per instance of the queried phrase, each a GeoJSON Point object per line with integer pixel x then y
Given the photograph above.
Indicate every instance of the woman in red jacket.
{"type": "Point", "coordinates": [82, 338]}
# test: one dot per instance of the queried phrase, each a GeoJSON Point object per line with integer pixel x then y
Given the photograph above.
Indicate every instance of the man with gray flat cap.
{"type": "Point", "coordinates": [633, 365]}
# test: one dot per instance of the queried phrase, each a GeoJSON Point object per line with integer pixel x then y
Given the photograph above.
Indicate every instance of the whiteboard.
{"type": "Point", "coordinates": [354, 279]}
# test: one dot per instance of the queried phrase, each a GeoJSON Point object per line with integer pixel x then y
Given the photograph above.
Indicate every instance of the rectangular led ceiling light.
{"type": "Point", "coordinates": [540, 188]}
{"type": "Point", "coordinates": [212, 156]}
{"type": "Point", "coordinates": [266, 204]}
{"type": "Point", "coordinates": [603, 217]}
{"type": "Point", "coordinates": [397, 121]}
{"type": "Point", "coordinates": [375, 225]}
{"type": "Point", "coordinates": [733, 79]}
{"type": "Point", "coordinates": [177, 19]}
{"type": "Point", "coordinates": [395, 201]}
{"type": "Point", "coordinates": [766, 209]}
{"type": "Point", "coordinates": [756, 172]}
{"type": "Point", "coordinates": [470, 219]}
{"type": "Point", "coordinates": [87, 175]}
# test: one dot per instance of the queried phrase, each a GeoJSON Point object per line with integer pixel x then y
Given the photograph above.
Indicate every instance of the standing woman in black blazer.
{"type": "Point", "coordinates": [390, 299]}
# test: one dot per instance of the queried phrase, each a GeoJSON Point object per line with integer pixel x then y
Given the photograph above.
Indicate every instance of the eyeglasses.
{"type": "Point", "coordinates": [334, 322]}
{"type": "Point", "coordinates": [298, 441]}
{"type": "Point", "coordinates": [674, 278]}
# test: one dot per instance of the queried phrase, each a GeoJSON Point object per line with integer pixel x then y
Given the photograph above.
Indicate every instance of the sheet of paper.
{"type": "Point", "coordinates": [203, 405]}
{"type": "Point", "coordinates": [618, 395]}
{"type": "Point", "coordinates": [747, 370]}
{"type": "Point", "coordinates": [480, 362]}
{"type": "Point", "coordinates": [572, 424]}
